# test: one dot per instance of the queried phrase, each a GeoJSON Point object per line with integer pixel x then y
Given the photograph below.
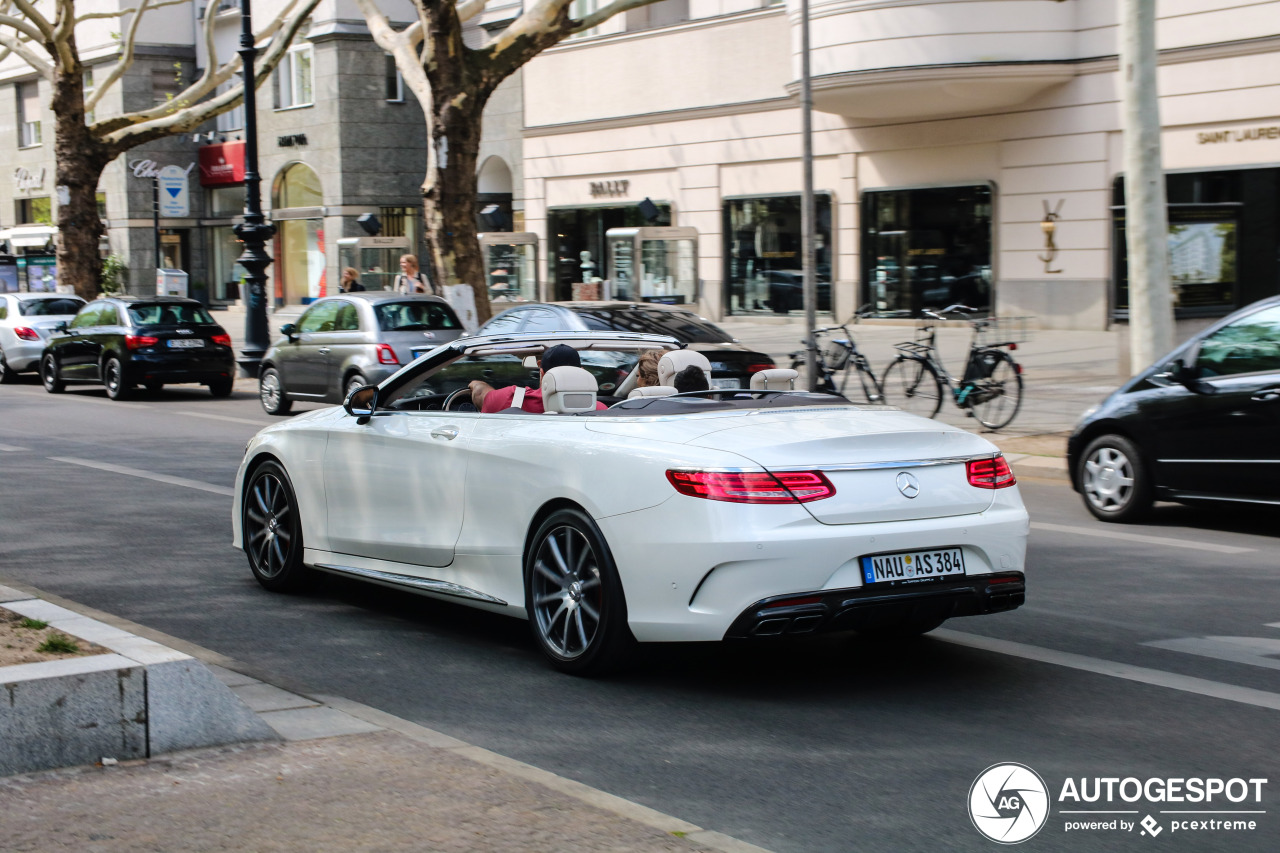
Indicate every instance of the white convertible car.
{"type": "Point", "coordinates": [749, 513]}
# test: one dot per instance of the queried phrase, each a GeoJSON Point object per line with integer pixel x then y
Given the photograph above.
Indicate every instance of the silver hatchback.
{"type": "Point", "coordinates": [26, 321]}
{"type": "Point", "coordinates": [343, 342]}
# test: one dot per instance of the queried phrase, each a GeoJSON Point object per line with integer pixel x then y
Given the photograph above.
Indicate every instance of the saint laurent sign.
{"type": "Point", "coordinates": [1248, 134]}
{"type": "Point", "coordinates": [609, 188]}
{"type": "Point", "coordinates": [25, 180]}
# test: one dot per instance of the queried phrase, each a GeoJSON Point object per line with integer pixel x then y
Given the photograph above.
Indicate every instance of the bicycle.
{"type": "Point", "coordinates": [991, 387]}
{"type": "Point", "coordinates": [840, 354]}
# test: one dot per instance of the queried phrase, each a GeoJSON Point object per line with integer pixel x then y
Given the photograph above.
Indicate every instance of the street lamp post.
{"type": "Point", "coordinates": [807, 230]}
{"type": "Point", "coordinates": [255, 231]}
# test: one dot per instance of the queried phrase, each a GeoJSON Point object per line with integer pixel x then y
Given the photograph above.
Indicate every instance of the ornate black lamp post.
{"type": "Point", "coordinates": [255, 231]}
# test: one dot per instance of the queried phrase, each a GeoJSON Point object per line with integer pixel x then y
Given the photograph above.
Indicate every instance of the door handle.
{"type": "Point", "coordinates": [1268, 396]}
{"type": "Point", "coordinates": [447, 433]}
{"type": "Point", "coordinates": [322, 350]}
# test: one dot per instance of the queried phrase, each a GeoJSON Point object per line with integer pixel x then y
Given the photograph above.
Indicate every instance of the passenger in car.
{"type": "Point", "coordinates": [692, 378]}
{"type": "Point", "coordinates": [647, 368]}
{"type": "Point", "coordinates": [488, 399]}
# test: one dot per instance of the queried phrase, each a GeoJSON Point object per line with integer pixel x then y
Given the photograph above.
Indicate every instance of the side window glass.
{"type": "Point", "coordinates": [1249, 345]}
{"type": "Point", "coordinates": [348, 319]}
{"type": "Point", "coordinates": [320, 317]}
{"type": "Point", "coordinates": [4, 309]}
{"type": "Point", "coordinates": [88, 316]}
{"type": "Point", "coordinates": [108, 315]}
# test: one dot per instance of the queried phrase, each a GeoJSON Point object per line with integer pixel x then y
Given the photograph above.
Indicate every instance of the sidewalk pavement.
{"type": "Point", "coordinates": [343, 777]}
{"type": "Point", "coordinates": [1065, 372]}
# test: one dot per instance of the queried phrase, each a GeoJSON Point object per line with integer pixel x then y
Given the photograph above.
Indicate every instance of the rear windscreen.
{"type": "Point", "coordinates": [162, 314]}
{"type": "Point", "coordinates": [415, 316]}
{"type": "Point", "coordinates": [48, 307]}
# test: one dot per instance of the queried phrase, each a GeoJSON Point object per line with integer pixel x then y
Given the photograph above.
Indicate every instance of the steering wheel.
{"type": "Point", "coordinates": [459, 401]}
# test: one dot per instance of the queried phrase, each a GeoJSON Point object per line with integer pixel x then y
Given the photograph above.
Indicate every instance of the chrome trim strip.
{"type": "Point", "coordinates": [1199, 497]}
{"type": "Point", "coordinates": [427, 584]}
{"type": "Point", "coordinates": [851, 466]}
{"type": "Point", "coordinates": [1218, 461]}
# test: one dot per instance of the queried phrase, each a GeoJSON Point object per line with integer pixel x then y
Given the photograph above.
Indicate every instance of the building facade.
{"type": "Point", "coordinates": [964, 152]}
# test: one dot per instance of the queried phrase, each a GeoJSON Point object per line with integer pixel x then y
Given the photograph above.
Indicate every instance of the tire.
{"type": "Point", "coordinates": [113, 378]}
{"type": "Point", "coordinates": [574, 598]}
{"type": "Point", "coordinates": [912, 385]}
{"type": "Point", "coordinates": [7, 376]}
{"type": "Point", "coordinates": [1114, 481]}
{"type": "Point", "coordinates": [271, 393]}
{"type": "Point", "coordinates": [272, 530]}
{"type": "Point", "coordinates": [997, 396]}
{"type": "Point", "coordinates": [51, 376]}
{"type": "Point", "coordinates": [153, 387]}
{"type": "Point", "coordinates": [222, 387]}
{"type": "Point", "coordinates": [353, 383]}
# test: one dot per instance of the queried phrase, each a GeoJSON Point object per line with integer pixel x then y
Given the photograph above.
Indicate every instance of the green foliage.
{"type": "Point", "coordinates": [58, 644]}
{"type": "Point", "coordinates": [33, 624]}
{"type": "Point", "coordinates": [115, 274]}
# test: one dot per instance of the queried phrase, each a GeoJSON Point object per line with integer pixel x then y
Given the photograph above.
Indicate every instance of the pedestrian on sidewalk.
{"type": "Point", "coordinates": [411, 278]}
{"type": "Point", "coordinates": [350, 282]}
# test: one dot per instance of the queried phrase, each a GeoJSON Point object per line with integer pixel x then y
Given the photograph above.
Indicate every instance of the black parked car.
{"type": "Point", "coordinates": [1201, 425]}
{"type": "Point", "coordinates": [732, 364]}
{"type": "Point", "coordinates": [122, 342]}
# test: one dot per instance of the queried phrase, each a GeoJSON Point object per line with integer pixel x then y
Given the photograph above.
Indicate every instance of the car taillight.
{"type": "Point", "coordinates": [26, 333]}
{"type": "Point", "coordinates": [136, 341]}
{"type": "Point", "coordinates": [753, 487]}
{"type": "Point", "coordinates": [756, 368]}
{"type": "Point", "coordinates": [223, 340]}
{"type": "Point", "coordinates": [386, 355]}
{"type": "Point", "coordinates": [990, 473]}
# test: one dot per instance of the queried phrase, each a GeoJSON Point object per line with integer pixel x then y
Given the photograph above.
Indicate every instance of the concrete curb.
{"type": "Point", "coordinates": [1029, 467]}
{"type": "Point", "coordinates": [142, 699]}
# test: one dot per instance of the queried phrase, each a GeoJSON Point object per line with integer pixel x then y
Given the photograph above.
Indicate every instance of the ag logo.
{"type": "Point", "coordinates": [1008, 803]}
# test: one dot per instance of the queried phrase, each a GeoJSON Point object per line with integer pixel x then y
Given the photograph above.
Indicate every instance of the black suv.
{"type": "Point", "coordinates": [122, 342]}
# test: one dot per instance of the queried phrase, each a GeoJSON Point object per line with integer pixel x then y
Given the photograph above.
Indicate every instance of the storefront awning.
{"type": "Point", "coordinates": [28, 236]}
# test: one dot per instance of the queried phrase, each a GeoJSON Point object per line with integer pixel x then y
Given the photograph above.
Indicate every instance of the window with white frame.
{"type": "Point", "coordinates": [87, 79]}
{"type": "Point", "coordinates": [231, 120]}
{"type": "Point", "coordinates": [294, 81]}
{"type": "Point", "coordinates": [28, 114]}
{"type": "Point", "coordinates": [395, 81]}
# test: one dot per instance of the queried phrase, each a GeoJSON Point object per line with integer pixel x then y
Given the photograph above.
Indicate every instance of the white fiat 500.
{"type": "Point", "coordinates": [742, 513]}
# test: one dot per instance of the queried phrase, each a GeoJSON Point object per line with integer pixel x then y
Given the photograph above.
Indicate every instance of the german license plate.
{"type": "Point", "coordinates": [913, 566]}
{"type": "Point", "coordinates": [725, 384]}
{"type": "Point", "coordinates": [186, 343]}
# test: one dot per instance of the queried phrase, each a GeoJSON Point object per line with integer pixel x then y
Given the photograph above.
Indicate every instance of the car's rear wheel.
{"type": "Point", "coordinates": [574, 598]}
{"type": "Point", "coordinates": [272, 394]}
{"type": "Point", "coordinates": [1113, 479]}
{"type": "Point", "coordinates": [272, 530]}
{"type": "Point", "coordinates": [221, 387]}
{"type": "Point", "coordinates": [113, 378]}
{"type": "Point", "coordinates": [6, 375]}
{"type": "Point", "coordinates": [51, 376]}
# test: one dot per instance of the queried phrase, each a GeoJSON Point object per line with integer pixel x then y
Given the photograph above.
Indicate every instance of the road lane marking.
{"type": "Point", "coordinates": [148, 475]}
{"type": "Point", "coordinates": [229, 418]}
{"type": "Point", "coordinates": [1114, 669]}
{"type": "Point", "coordinates": [1138, 537]}
{"type": "Point", "coordinates": [11, 448]}
{"type": "Point", "coordinates": [1254, 651]}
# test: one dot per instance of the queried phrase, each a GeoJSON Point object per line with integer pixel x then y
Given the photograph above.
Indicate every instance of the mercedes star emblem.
{"type": "Point", "coordinates": [908, 484]}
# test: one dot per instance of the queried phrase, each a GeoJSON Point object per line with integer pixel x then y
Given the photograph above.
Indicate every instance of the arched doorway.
{"type": "Point", "coordinates": [297, 200]}
{"type": "Point", "coordinates": [494, 196]}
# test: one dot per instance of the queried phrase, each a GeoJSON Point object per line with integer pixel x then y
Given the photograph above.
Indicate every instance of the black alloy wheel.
{"type": "Point", "coordinates": [574, 598]}
{"type": "Point", "coordinates": [271, 393]}
{"type": "Point", "coordinates": [6, 375]}
{"type": "Point", "coordinates": [1114, 481]}
{"type": "Point", "coordinates": [272, 530]}
{"type": "Point", "coordinates": [51, 376]}
{"type": "Point", "coordinates": [113, 378]}
{"type": "Point", "coordinates": [222, 387]}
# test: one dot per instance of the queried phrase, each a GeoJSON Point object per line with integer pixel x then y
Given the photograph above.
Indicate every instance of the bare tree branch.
{"type": "Point", "coordinates": [122, 64]}
{"type": "Point", "coordinates": [599, 16]}
{"type": "Point", "coordinates": [28, 54]}
{"type": "Point", "coordinates": [39, 21]}
{"type": "Point", "coordinates": [468, 9]}
{"type": "Point", "coordinates": [536, 20]}
{"type": "Point", "coordinates": [22, 26]}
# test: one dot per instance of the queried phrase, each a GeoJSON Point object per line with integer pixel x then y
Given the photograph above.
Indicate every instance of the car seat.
{"type": "Point", "coordinates": [568, 390]}
{"type": "Point", "coordinates": [168, 318]}
{"type": "Point", "coordinates": [677, 360]}
{"type": "Point", "coordinates": [652, 391]}
{"type": "Point", "coordinates": [776, 379]}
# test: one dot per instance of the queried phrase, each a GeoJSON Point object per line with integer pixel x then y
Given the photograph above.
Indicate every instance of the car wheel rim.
{"type": "Point", "coordinates": [113, 376]}
{"type": "Point", "coordinates": [50, 372]}
{"type": "Point", "coordinates": [353, 385]}
{"type": "Point", "coordinates": [1108, 479]}
{"type": "Point", "coordinates": [567, 594]}
{"type": "Point", "coordinates": [267, 521]}
{"type": "Point", "coordinates": [270, 392]}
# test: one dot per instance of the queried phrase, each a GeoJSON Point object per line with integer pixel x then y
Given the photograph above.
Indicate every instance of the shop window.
{"type": "Point", "coordinates": [927, 248]}
{"type": "Point", "coordinates": [34, 211]}
{"type": "Point", "coordinates": [293, 79]}
{"type": "Point", "coordinates": [225, 202]}
{"type": "Point", "coordinates": [764, 270]}
{"type": "Point", "coordinates": [28, 115]}
{"type": "Point", "coordinates": [101, 199]}
{"type": "Point", "coordinates": [577, 252]}
{"type": "Point", "coordinates": [297, 186]}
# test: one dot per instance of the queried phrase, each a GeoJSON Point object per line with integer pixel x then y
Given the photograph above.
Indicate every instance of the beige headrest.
{"type": "Point", "coordinates": [568, 390]}
{"type": "Point", "coordinates": [677, 360]}
{"type": "Point", "coordinates": [777, 379]}
{"type": "Point", "coordinates": [653, 391]}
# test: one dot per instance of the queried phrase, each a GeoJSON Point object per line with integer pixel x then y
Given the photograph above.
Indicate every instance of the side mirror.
{"type": "Point", "coordinates": [290, 331]}
{"type": "Point", "coordinates": [362, 403]}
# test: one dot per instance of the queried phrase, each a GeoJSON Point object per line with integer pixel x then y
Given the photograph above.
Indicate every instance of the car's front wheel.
{"type": "Point", "coordinates": [272, 530]}
{"type": "Point", "coordinates": [1113, 479]}
{"type": "Point", "coordinates": [574, 598]}
{"type": "Point", "coordinates": [272, 394]}
{"type": "Point", "coordinates": [51, 375]}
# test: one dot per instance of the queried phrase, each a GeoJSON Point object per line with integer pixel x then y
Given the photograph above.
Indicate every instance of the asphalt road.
{"type": "Point", "coordinates": [1117, 666]}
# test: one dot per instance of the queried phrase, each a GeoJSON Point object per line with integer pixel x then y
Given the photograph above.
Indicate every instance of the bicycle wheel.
{"type": "Point", "coordinates": [870, 385]}
{"type": "Point", "coordinates": [996, 397]}
{"type": "Point", "coordinates": [913, 385]}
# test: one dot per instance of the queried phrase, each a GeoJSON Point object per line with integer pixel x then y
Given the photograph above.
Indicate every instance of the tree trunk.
{"type": "Point", "coordinates": [80, 159]}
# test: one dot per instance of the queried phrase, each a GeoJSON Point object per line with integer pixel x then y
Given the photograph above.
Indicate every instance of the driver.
{"type": "Point", "coordinates": [488, 399]}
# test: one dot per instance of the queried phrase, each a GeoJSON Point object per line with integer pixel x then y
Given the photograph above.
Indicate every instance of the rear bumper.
{"type": "Point", "coordinates": [855, 609]}
{"type": "Point", "coordinates": [23, 355]}
{"type": "Point", "coordinates": [197, 367]}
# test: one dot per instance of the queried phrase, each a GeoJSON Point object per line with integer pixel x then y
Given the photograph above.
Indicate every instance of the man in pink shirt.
{"type": "Point", "coordinates": [489, 399]}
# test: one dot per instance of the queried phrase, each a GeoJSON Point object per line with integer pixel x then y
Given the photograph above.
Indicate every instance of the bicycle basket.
{"type": "Point", "coordinates": [837, 354]}
{"type": "Point", "coordinates": [994, 331]}
{"type": "Point", "coordinates": [982, 365]}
